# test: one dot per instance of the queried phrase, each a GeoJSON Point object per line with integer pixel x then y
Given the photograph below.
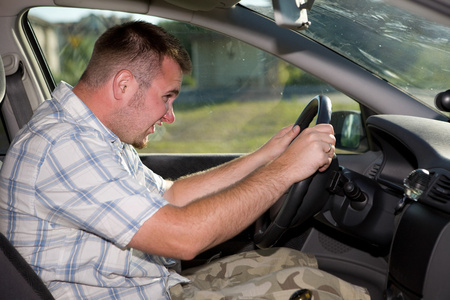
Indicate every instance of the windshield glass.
{"type": "Point", "coordinates": [405, 50]}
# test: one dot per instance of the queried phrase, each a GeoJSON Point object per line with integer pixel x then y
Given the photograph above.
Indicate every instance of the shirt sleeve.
{"type": "Point", "coordinates": [142, 173]}
{"type": "Point", "coordinates": [83, 183]}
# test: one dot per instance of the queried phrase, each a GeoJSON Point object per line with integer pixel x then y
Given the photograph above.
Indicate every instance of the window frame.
{"type": "Point", "coordinates": [51, 82]}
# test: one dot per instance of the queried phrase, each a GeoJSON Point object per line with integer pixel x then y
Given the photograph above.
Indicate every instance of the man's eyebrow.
{"type": "Point", "coordinates": [174, 91]}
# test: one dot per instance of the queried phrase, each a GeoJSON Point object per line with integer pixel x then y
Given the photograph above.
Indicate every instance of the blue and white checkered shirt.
{"type": "Point", "coordinates": [72, 196]}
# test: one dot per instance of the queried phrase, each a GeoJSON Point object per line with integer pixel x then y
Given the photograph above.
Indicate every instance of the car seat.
{"type": "Point", "coordinates": [17, 279]}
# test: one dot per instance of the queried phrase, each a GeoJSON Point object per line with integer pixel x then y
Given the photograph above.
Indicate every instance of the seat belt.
{"type": "Point", "coordinates": [18, 99]}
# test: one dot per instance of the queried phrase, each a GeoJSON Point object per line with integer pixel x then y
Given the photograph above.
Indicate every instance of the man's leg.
{"type": "Point", "coordinates": [264, 274]}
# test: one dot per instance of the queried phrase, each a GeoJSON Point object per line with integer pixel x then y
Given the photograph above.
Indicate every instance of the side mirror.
{"type": "Point", "coordinates": [349, 131]}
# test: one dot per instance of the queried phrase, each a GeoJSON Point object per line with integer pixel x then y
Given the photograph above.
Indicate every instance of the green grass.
{"type": "Point", "coordinates": [231, 127]}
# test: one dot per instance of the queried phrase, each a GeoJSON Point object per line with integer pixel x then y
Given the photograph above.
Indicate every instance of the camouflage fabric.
{"type": "Point", "coordinates": [264, 274]}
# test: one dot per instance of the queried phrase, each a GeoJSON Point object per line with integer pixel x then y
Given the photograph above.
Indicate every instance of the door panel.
{"type": "Point", "coordinates": [173, 166]}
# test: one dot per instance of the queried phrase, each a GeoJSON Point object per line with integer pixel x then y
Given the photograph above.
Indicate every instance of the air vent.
{"type": "Point", "coordinates": [373, 171]}
{"type": "Point", "coordinates": [440, 191]}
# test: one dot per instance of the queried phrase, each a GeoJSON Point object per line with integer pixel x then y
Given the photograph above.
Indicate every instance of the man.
{"type": "Point", "coordinates": [95, 223]}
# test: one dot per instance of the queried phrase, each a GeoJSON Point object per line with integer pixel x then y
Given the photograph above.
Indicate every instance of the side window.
{"type": "Point", "coordinates": [236, 98]}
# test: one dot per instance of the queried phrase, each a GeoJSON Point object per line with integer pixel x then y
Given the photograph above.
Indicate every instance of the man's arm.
{"type": "Point", "coordinates": [183, 232]}
{"type": "Point", "coordinates": [215, 179]}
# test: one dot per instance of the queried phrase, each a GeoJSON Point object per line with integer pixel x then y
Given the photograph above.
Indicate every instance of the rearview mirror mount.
{"type": "Point", "coordinates": [292, 14]}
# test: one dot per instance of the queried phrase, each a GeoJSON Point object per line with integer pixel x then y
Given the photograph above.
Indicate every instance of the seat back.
{"type": "Point", "coordinates": [17, 279]}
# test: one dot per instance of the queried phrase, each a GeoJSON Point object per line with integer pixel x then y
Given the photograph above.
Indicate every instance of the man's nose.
{"type": "Point", "coordinates": [169, 117]}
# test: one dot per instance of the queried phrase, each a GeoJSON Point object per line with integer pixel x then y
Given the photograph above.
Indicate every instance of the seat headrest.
{"type": "Point", "coordinates": [2, 80]}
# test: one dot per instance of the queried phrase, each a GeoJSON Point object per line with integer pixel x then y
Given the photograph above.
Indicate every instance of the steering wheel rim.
{"type": "Point", "coordinates": [293, 210]}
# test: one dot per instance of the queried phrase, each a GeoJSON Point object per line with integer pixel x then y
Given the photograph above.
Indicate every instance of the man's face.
{"type": "Point", "coordinates": [154, 105]}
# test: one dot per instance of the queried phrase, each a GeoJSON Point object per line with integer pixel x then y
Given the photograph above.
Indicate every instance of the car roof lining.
{"type": "Point", "coordinates": [203, 5]}
{"type": "Point", "coordinates": [132, 6]}
{"type": "Point", "coordinates": [142, 6]}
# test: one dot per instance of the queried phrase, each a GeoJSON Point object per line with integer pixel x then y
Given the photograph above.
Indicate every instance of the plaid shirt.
{"type": "Point", "coordinates": [72, 196]}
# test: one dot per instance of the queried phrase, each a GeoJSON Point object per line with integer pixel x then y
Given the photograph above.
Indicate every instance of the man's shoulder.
{"type": "Point", "coordinates": [46, 133]}
{"type": "Point", "coordinates": [54, 129]}
{"type": "Point", "coordinates": [52, 121]}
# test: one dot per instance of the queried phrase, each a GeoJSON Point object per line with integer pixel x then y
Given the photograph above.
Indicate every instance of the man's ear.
{"type": "Point", "coordinates": [124, 85]}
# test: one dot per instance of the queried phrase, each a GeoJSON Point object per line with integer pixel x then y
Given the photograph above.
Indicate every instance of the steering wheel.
{"type": "Point", "coordinates": [304, 198]}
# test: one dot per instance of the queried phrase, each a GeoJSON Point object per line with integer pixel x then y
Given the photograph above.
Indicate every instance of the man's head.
{"type": "Point", "coordinates": [132, 79]}
{"type": "Point", "coordinates": [136, 46]}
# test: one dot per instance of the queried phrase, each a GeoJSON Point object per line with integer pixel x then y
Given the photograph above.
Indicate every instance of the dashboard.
{"type": "Point", "coordinates": [409, 143]}
{"type": "Point", "coordinates": [416, 236]}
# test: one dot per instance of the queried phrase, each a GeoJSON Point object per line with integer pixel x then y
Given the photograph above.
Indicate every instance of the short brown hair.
{"type": "Point", "coordinates": [136, 46]}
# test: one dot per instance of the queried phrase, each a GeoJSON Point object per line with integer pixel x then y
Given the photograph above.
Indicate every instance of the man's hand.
{"type": "Point", "coordinates": [312, 150]}
{"type": "Point", "coordinates": [279, 142]}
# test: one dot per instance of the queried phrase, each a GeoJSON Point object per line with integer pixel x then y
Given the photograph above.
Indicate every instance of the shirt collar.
{"type": "Point", "coordinates": [79, 111]}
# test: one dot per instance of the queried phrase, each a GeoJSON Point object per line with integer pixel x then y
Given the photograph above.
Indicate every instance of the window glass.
{"type": "Point", "coordinates": [236, 98]}
{"type": "Point", "coordinates": [402, 46]}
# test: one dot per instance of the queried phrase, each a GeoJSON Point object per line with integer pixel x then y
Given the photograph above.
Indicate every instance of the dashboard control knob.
{"type": "Point", "coordinates": [414, 185]}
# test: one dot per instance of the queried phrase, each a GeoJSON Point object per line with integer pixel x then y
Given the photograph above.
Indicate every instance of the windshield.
{"type": "Point", "coordinates": [405, 50]}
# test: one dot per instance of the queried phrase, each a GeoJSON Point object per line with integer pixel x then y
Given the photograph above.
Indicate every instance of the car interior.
{"type": "Point", "coordinates": [379, 217]}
